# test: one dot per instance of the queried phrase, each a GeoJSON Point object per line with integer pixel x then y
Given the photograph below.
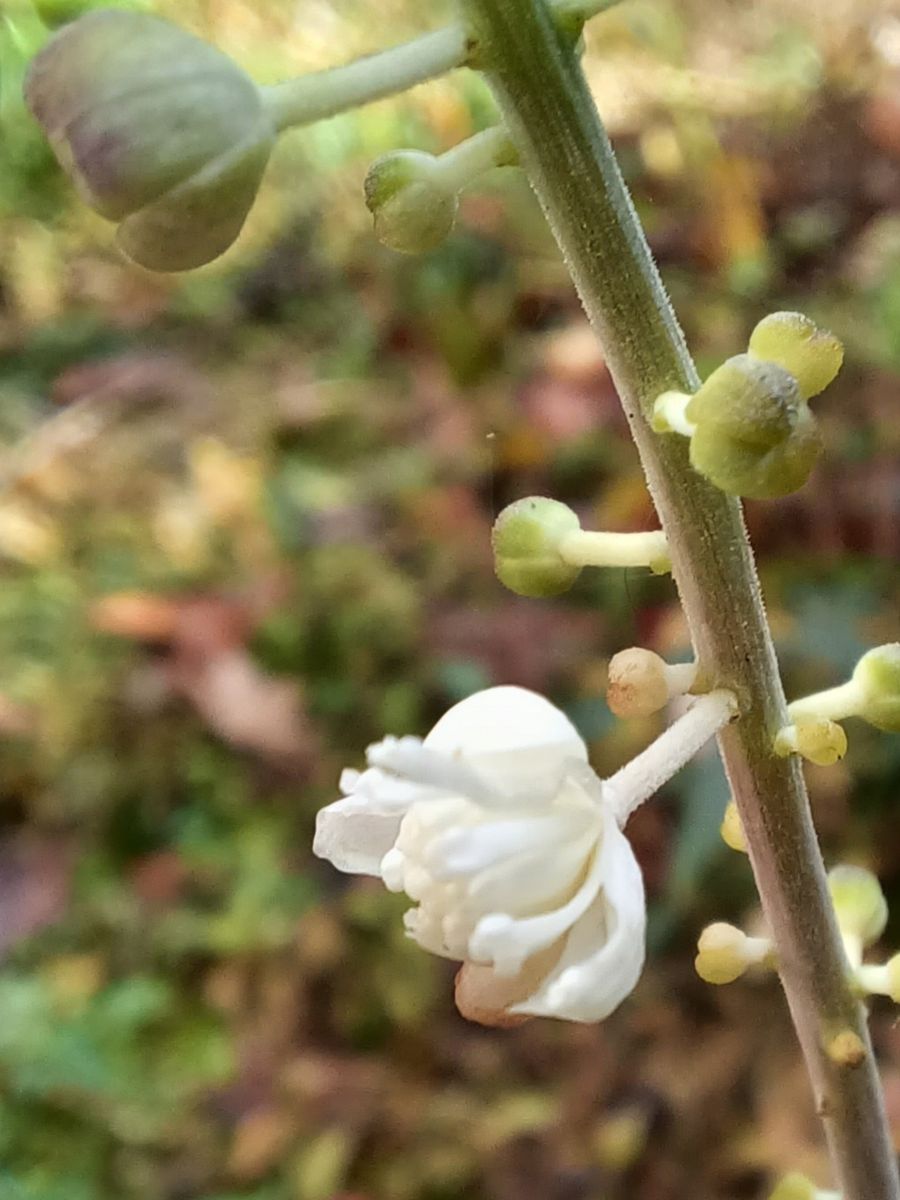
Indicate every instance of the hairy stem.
{"type": "Point", "coordinates": [545, 103]}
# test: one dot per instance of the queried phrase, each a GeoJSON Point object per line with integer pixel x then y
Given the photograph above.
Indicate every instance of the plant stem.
{"type": "Point", "coordinates": [322, 94]}
{"type": "Point", "coordinates": [590, 548]}
{"type": "Point", "coordinates": [844, 700]}
{"type": "Point", "coordinates": [325, 93]}
{"type": "Point", "coordinates": [468, 160]}
{"type": "Point", "coordinates": [641, 778]}
{"type": "Point", "coordinates": [545, 103]}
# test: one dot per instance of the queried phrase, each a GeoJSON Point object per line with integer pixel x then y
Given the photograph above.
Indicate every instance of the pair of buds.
{"type": "Point", "coordinates": [750, 426]}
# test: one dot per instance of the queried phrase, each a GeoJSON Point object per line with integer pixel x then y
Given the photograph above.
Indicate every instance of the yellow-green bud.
{"type": "Point", "coordinates": [817, 739]}
{"type": "Point", "coordinates": [812, 355]}
{"type": "Point", "coordinates": [755, 435]}
{"type": "Point", "coordinates": [877, 675]}
{"type": "Point", "coordinates": [859, 903]}
{"type": "Point", "coordinates": [158, 130]}
{"type": "Point", "coordinates": [732, 829]}
{"type": "Point", "coordinates": [526, 540]}
{"type": "Point", "coordinates": [408, 196]}
{"type": "Point", "coordinates": [724, 953]}
{"type": "Point", "coordinates": [794, 1187]}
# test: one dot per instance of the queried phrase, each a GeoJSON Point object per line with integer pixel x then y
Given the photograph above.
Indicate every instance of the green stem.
{"type": "Point", "coordinates": [591, 548]}
{"type": "Point", "coordinates": [836, 703]}
{"type": "Point", "coordinates": [462, 165]}
{"type": "Point", "coordinates": [548, 110]}
{"type": "Point", "coordinates": [322, 94]}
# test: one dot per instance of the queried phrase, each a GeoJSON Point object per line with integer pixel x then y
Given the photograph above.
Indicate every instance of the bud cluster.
{"type": "Point", "coordinates": [750, 426]}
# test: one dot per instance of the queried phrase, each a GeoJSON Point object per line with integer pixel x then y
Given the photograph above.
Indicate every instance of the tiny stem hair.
{"type": "Point", "coordinates": [537, 81]}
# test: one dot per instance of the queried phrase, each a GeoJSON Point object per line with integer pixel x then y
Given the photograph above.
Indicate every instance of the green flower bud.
{"type": "Point", "coordinates": [812, 355]}
{"type": "Point", "coordinates": [754, 433]}
{"type": "Point", "coordinates": [877, 676]}
{"type": "Point", "coordinates": [526, 540]}
{"type": "Point", "coordinates": [158, 130]}
{"type": "Point", "coordinates": [817, 739]}
{"type": "Point", "coordinates": [859, 903]}
{"type": "Point", "coordinates": [413, 206]}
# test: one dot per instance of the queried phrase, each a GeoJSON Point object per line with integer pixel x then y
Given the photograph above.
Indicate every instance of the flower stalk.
{"type": "Point", "coordinates": [322, 94]}
{"type": "Point", "coordinates": [548, 110]}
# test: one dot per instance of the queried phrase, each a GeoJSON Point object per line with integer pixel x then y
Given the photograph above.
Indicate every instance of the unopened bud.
{"type": "Point", "coordinates": [526, 539]}
{"type": "Point", "coordinates": [846, 1048]}
{"type": "Point", "coordinates": [754, 433]}
{"type": "Point", "coordinates": [732, 830]}
{"type": "Point", "coordinates": [414, 197]}
{"type": "Point", "coordinates": [812, 355]}
{"type": "Point", "coordinates": [872, 692]}
{"type": "Point", "coordinates": [724, 953]}
{"type": "Point", "coordinates": [816, 739]}
{"type": "Point", "coordinates": [877, 676]}
{"type": "Point", "coordinates": [413, 208]}
{"type": "Point", "coordinates": [859, 903]}
{"type": "Point", "coordinates": [641, 683]}
{"type": "Point", "coordinates": [159, 131]}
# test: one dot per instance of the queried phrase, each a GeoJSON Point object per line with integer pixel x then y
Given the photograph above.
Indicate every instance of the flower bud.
{"type": "Point", "coordinates": [158, 130]}
{"type": "Point", "coordinates": [877, 676]}
{"type": "Point", "coordinates": [724, 953]}
{"type": "Point", "coordinates": [641, 683]}
{"type": "Point", "coordinates": [859, 903]}
{"type": "Point", "coordinates": [755, 435]}
{"type": "Point", "coordinates": [526, 540]}
{"type": "Point", "coordinates": [817, 739]}
{"type": "Point", "coordinates": [812, 355]}
{"type": "Point", "coordinates": [732, 830]}
{"type": "Point", "coordinates": [407, 194]}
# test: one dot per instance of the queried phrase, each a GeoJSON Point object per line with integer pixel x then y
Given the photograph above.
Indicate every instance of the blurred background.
{"type": "Point", "coordinates": [244, 531]}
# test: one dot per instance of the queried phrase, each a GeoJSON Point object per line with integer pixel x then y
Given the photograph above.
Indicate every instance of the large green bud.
{"type": "Point", "coordinates": [159, 131]}
{"type": "Point", "coordinates": [877, 677]}
{"type": "Point", "coordinates": [527, 540]}
{"type": "Point", "coordinates": [754, 433]}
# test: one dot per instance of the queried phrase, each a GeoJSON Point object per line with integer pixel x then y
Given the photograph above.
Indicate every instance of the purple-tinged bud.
{"type": "Point", "coordinates": [157, 129]}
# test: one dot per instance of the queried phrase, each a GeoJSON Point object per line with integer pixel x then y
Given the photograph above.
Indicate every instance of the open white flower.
{"type": "Point", "coordinates": [511, 847]}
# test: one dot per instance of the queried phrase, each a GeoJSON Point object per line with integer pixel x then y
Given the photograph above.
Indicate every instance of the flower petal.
{"type": "Point", "coordinates": [354, 835]}
{"type": "Point", "coordinates": [604, 951]}
{"type": "Point", "coordinates": [513, 737]}
{"type": "Point", "coordinates": [507, 942]}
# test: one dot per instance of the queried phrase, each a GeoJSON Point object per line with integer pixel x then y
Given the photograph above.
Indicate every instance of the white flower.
{"type": "Point", "coordinates": [511, 847]}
